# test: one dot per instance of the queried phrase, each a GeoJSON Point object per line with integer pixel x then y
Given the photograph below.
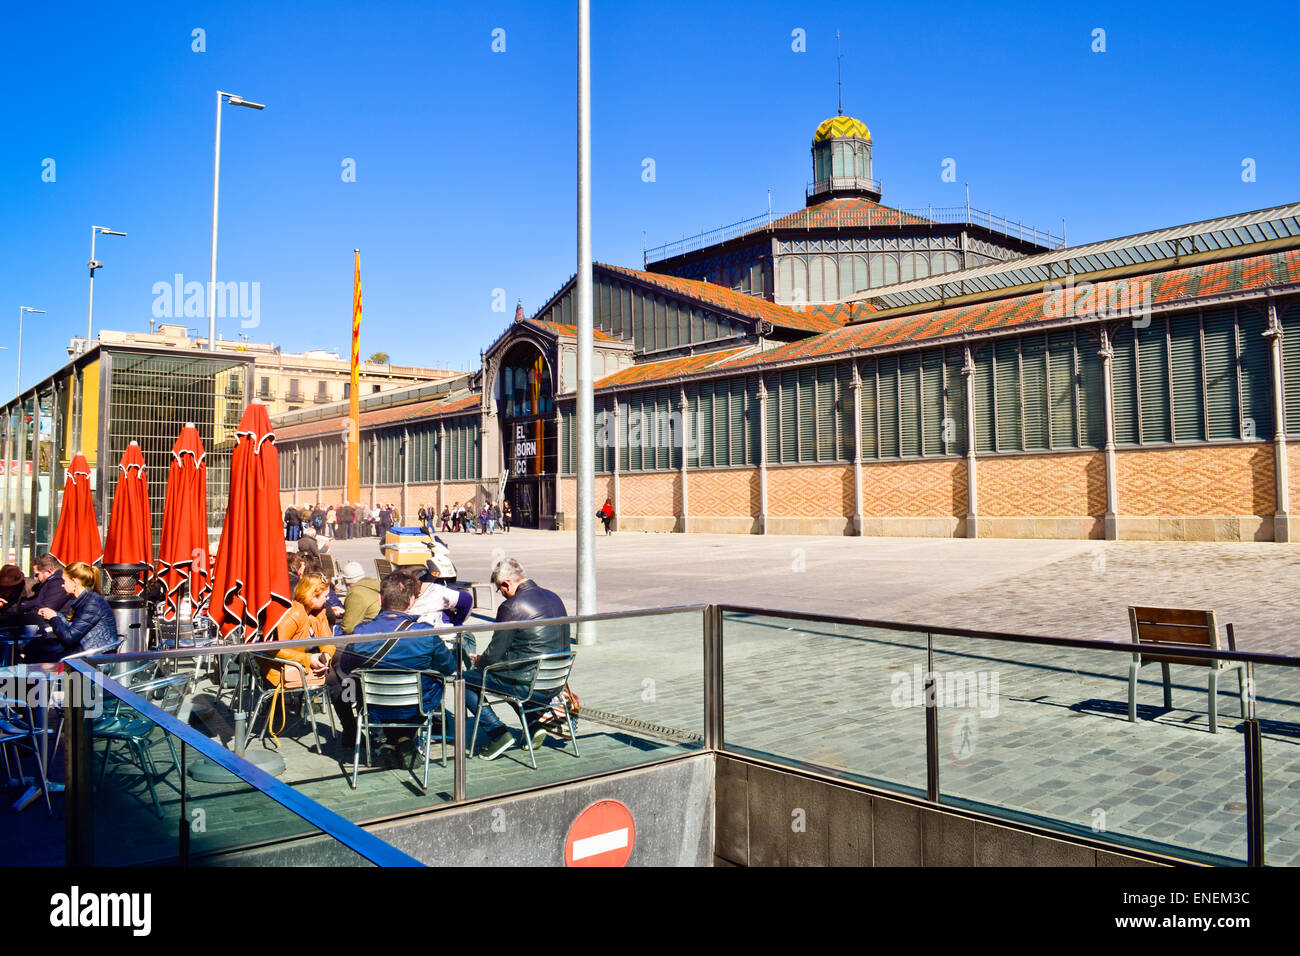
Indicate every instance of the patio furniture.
{"type": "Point", "coordinates": [293, 680]}
{"type": "Point", "coordinates": [137, 731]}
{"type": "Point", "coordinates": [1169, 629]}
{"type": "Point", "coordinates": [549, 677]}
{"type": "Point", "coordinates": [391, 687]}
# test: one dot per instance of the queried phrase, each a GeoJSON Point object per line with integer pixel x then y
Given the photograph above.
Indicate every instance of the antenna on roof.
{"type": "Point", "coordinates": [839, 80]}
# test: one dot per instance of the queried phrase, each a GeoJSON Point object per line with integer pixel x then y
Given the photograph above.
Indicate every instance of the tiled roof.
{"type": "Point", "coordinates": [1185, 284]}
{"type": "Point", "coordinates": [845, 213]}
{"type": "Point", "coordinates": [559, 328]}
{"type": "Point", "coordinates": [669, 368]}
{"type": "Point", "coordinates": [380, 416]}
{"type": "Point", "coordinates": [737, 303]}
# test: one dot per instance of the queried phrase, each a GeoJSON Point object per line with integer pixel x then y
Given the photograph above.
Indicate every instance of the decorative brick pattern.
{"type": "Point", "coordinates": [1293, 475]}
{"type": "Point", "coordinates": [723, 493]}
{"type": "Point", "coordinates": [1196, 482]}
{"type": "Point", "coordinates": [811, 491]}
{"type": "Point", "coordinates": [913, 489]}
{"type": "Point", "coordinates": [1042, 486]}
{"type": "Point", "coordinates": [603, 485]}
{"type": "Point", "coordinates": [656, 493]}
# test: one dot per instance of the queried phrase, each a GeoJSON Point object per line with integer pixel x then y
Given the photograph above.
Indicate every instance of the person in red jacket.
{"type": "Point", "coordinates": [606, 513]}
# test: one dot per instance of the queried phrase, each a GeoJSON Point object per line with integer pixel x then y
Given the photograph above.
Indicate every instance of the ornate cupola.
{"type": "Point", "coordinates": [841, 152]}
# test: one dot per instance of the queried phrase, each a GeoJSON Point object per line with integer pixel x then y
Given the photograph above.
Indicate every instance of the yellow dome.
{"type": "Point", "coordinates": [841, 126]}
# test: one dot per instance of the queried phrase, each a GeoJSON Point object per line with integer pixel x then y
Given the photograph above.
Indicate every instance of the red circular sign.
{"type": "Point", "coordinates": [602, 835]}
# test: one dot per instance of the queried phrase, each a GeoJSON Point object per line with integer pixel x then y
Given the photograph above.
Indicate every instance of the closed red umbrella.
{"type": "Point", "coordinates": [77, 536]}
{"type": "Point", "coordinates": [250, 585]}
{"type": "Point", "coordinates": [130, 526]}
{"type": "Point", "coordinates": [183, 547]}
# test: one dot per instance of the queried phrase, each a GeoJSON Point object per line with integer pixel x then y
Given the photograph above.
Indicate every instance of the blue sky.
{"type": "Point", "coordinates": [465, 157]}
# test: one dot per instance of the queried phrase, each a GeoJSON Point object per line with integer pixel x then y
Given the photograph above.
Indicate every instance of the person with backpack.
{"type": "Point", "coordinates": [292, 524]}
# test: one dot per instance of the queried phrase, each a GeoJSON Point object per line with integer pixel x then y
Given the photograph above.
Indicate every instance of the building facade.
{"type": "Point", "coordinates": [1142, 387]}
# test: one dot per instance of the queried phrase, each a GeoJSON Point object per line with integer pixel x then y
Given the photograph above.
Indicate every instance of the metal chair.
{"type": "Point", "coordinates": [391, 687]}
{"type": "Point", "coordinates": [19, 730]}
{"type": "Point", "coordinates": [383, 569]}
{"type": "Point", "coordinates": [137, 731]}
{"type": "Point", "coordinates": [549, 677]}
{"type": "Point", "coordinates": [198, 632]}
{"type": "Point", "coordinates": [296, 685]}
{"type": "Point", "coordinates": [1167, 629]}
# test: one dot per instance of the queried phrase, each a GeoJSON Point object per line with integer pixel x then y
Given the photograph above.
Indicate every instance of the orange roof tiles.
{"type": "Point", "coordinates": [380, 416]}
{"type": "Point", "coordinates": [844, 213]}
{"type": "Point", "coordinates": [1188, 283]}
{"type": "Point", "coordinates": [669, 368]}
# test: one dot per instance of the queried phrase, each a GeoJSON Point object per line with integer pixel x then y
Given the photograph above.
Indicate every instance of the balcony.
{"type": "Point", "coordinates": [837, 184]}
{"type": "Point", "coordinates": [294, 397]}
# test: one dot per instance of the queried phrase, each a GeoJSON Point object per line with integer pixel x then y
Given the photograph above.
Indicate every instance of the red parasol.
{"type": "Point", "coordinates": [130, 527]}
{"type": "Point", "coordinates": [183, 548]}
{"type": "Point", "coordinates": [77, 536]}
{"type": "Point", "coordinates": [251, 582]}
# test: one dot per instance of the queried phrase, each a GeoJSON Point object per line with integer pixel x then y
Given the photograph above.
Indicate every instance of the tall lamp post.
{"type": "Point", "coordinates": [21, 310]}
{"type": "Point", "coordinates": [233, 100]}
{"type": "Point", "coordinates": [95, 264]}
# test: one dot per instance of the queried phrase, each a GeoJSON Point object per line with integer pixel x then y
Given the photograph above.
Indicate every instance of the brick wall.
{"type": "Point", "coordinates": [1042, 485]}
{"type": "Point", "coordinates": [730, 493]}
{"type": "Point", "coordinates": [810, 491]}
{"type": "Point", "coordinates": [912, 489]}
{"type": "Point", "coordinates": [1196, 482]}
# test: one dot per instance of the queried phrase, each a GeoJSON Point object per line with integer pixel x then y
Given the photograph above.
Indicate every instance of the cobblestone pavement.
{"type": "Point", "coordinates": [1049, 742]}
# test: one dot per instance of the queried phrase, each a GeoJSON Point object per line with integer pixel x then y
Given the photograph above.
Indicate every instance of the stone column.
{"type": "Point", "coordinates": [618, 504]}
{"type": "Point", "coordinates": [374, 469]}
{"type": "Point", "coordinates": [762, 454]}
{"type": "Point", "coordinates": [856, 385]}
{"type": "Point", "coordinates": [320, 470]}
{"type": "Point", "coordinates": [1281, 467]}
{"type": "Point", "coordinates": [559, 480]}
{"type": "Point", "coordinates": [297, 474]}
{"type": "Point", "coordinates": [1107, 353]}
{"type": "Point", "coordinates": [684, 411]}
{"type": "Point", "coordinates": [972, 483]}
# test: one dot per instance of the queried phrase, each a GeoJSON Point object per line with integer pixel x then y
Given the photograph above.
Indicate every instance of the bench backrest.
{"type": "Point", "coordinates": [1171, 627]}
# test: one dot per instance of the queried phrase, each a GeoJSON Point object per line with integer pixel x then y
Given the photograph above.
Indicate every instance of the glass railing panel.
{"type": "Point", "coordinates": [841, 698]}
{"type": "Point", "coordinates": [1041, 735]}
{"type": "Point", "coordinates": [1277, 708]}
{"type": "Point", "coordinates": [641, 699]}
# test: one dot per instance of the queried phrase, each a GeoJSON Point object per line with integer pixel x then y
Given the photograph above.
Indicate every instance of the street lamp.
{"type": "Point", "coordinates": [21, 310]}
{"type": "Point", "coordinates": [95, 264]}
{"type": "Point", "coordinates": [233, 100]}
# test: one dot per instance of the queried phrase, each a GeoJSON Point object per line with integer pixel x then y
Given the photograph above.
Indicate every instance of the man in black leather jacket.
{"type": "Point", "coordinates": [525, 601]}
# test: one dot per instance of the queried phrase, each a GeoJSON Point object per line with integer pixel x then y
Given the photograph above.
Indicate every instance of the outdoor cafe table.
{"type": "Point", "coordinates": [22, 678]}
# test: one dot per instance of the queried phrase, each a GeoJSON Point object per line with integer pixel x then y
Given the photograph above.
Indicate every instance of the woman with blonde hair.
{"type": "Point", "coordinates": [92, 623]}
{"type": "Point", "coordinates": [307, 618]}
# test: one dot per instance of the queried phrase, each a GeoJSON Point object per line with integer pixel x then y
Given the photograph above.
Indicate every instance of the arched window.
{"type": "Point", "coordinates": [943, 262]}
{"type": "Point", "coordinates": [891, 269]}
{"type": "Point", "coordinates": [853, 275]}
{"type": "Point", "coordinates": [822, 279]}
{"type": "Point", "coordinates": [915, 266]}
{"type": "Point", "coordinates": [794, 279]}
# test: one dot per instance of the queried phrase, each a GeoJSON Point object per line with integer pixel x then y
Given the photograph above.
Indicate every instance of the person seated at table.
{"type": "Point", "coordinates": [12, 582]}
{"type": "Point", "coordinates": [295, 559]}
{"type": "Point", "coordinates": [92, 624]}
{"type": "Point", "coordinates": [311, 564]}
{"type": "Point", "coordinates": [310, 544]}
{"type": "Point", "coordinates": [422, 650]}
{"type": "Point", "coordinates": [49, 589]}
{"type": "Point", "coordinates": [306, 619]}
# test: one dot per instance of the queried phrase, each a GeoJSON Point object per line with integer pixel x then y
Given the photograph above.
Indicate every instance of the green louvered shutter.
{"type": "Point", "coordinates": [721, 424]}
{"type": "Point", "coordinates": [1153, 382]}
{"type": "Point", "coordinates": [807, 411]}
{"type": "Point", "coordinates": [909, 404]}
{"type": "Point", "coordinates": [1219, 336]}
{"type": "Point", "coordinates": [844, 421]}
{"type": "Point", "coordinates": [737, 454]}
{"type": "Point", "coordinates": [932, 404]}
{"type": "Point", "coordinates": [826, 413]}
{"type": "Point", "coordinates": [635, 433]}
{"type": "Point", "coordinates": [663, 430]}
{"type": "Point", "coordinates": [1035, 399]}
{"type": "Point", "coordinates": [789, 393]}
{"type": "Point", "coordinates": [887, 401]}
{"type": "Point", "coordinates": [706, 426]}
{"type": "Point", "coordinates": [622, 434]}
{"type": "Point", "coordinates": [985, 417]}
{"type": "Point", "coordinates": [1092, 399]}
{"type": "Point", "coordinates": [1006, 368]}
{"type": "Point", "coordinates": [1062, 389]}
{"type": "Point", "coordinates": [1188, 388]}
{"type": "Point", "coordinates": [867, 371]}
{"type": "Point", "coordinates": [772, 410]}
{"type": "Point", "coordinates": [1291, 366]}
{"type": "Point", "coordinates": [1123, 371]}
{"type": "Point", "coordinates": [954, 402]}
{"type": "Point", "coordinates": [1256, 384]}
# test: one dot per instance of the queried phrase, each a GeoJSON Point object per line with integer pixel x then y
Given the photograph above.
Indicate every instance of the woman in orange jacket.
{"type": "Point", "coordinates": [305, 619]}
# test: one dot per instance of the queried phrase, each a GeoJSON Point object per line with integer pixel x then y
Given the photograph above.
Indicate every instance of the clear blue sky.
{"type": "Point", "coordinates": [465, 157]}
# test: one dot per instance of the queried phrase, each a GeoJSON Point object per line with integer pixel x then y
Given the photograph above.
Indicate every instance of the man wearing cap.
{"type": "Point", "coordinates": [363, 601]}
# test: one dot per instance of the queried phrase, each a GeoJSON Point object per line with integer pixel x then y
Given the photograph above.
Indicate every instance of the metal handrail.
{"type": "Point", "coordinates": [843, 182]}
{"type": "Point", "coordinates": [342, 830]}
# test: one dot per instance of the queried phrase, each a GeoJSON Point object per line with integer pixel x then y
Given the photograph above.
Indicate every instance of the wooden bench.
{"type": "Point", "coordinates": [1171, 628]}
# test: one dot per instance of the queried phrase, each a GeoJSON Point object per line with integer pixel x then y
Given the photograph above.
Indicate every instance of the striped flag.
{"type": "Point", "coordinates": [354, 411]}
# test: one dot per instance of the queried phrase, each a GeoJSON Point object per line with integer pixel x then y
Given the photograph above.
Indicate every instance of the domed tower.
{"type": "Point", "coordinates": [841, 152]}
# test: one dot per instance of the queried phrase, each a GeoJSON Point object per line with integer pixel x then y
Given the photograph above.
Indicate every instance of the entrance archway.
{"type": "Point", "coordinates": [525, 394]}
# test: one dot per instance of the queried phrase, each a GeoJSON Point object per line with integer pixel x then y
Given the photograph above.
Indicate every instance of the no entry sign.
{"type": "Point", "coordinates": [602, 835]}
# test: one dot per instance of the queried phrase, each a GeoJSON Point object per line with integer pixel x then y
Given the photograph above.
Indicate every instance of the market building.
{"type": "Point", "coordinates": [857, 369]}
